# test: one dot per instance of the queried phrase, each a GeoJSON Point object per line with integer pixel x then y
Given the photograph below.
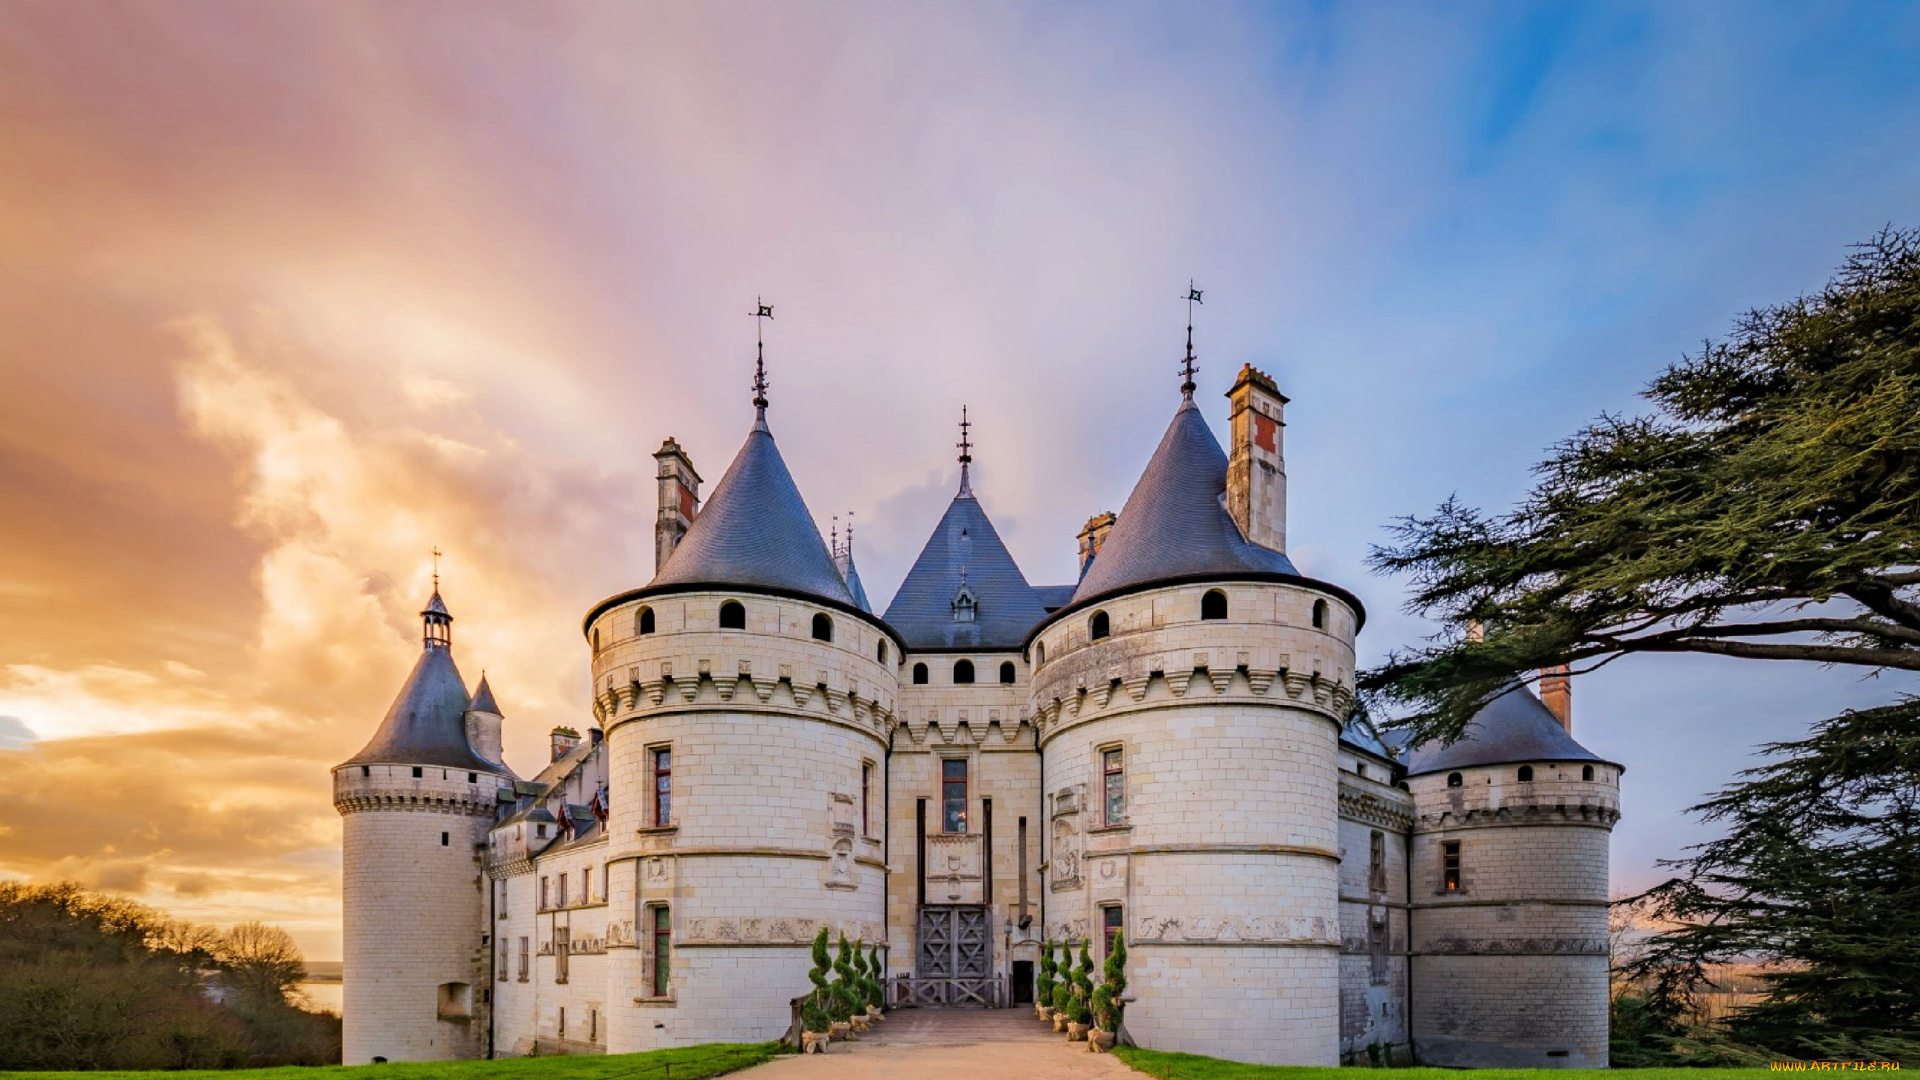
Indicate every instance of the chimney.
{"type": "Point", "coordinates": [1556, 693]}
{"type": "Point", "coordinates": [1257, 465]}
{"type": "Point", "coordinates": [564, 740]}
{"type": "Point", "coordinates": [679, 500]}
{"type": "Point", "coordinates": [1092, 535]}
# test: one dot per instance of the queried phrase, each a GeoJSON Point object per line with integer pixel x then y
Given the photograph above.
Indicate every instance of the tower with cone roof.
{"type": "Point", "coordinates": [416, 804]}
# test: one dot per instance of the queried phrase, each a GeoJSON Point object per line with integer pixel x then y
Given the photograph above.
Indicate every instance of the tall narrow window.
{"type": "Point", "coordinates": [919, 674]}
{"type": "Point", "coordinates": [663, 785]}
{"type": "Point", "coordinates": [1098, 626]}
{"type": "Point", "coordinates": [880, 651]}
{"type": "Point", "coordinates": [503, 960]}
{"type": "Point", "coordinates": [953, 795]}
{"type": "Point", "coordinates": [562, 946]}
{"type": "Point", "coordinates": [645, 623]}
{"type": "Point", "coordinates": [963, 672]}
{"type": "Point", "coordinates": [606, 892]}
{"type": "Point", "coordinates": [545, 900]}
{"type": "Point", "coordinates": [1450, 866]}
{"type": "Point", "coordinates": [561, 899]}
{"type": "Point", "coordinates": [1377, 864]}
{"type": "Point", "coordinates": [822, 628]}
{"type": "Point", "coordinates": [586, 885]}
{"type": "Point", "coordinates": [866, 798]}
{"type": "Point", "coordinates": [1006, 673]}
{"type": "Point", "coordinates": [443, 840]}
{"type": "Point", "coordinates": [1113, 781]}
{"type": "Point", "coordinates": [1039, 654]}
{"type": "Point", "coordinates": [523, 959]}
{"type": "Point", "coordinates": [1109, 927]}
{"type": "Point", "coordinates": [1213, 605]}
{"type": "Point", "coordinates": [733, 616]}
{"type": "Point", "coordinates": [662, 947]}
{"type": "Point", "coordinates": [1319, 614]}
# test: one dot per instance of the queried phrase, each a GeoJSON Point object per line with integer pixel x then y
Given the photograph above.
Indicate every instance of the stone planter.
{"type": "Point", "coordinates": [1039, 1011]}
{"type": "Point", "coordinates": [813, 1042]}
{"type": "Point", "coordinates": [1099, 1041]}
{"type": "Point", "coordinates": [839, 1029]}
{"type": "Point", "coordinates": [1076, 1032]}
{"type": "Point", "coordinates": [875, 1014]}
{"type": "Point", "coordinates": [860, 1022]}
{"type": "Point", "coordinates": [1059, 1020]}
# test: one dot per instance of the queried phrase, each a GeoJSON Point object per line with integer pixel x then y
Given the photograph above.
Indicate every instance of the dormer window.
{"type": "Point", "coordinates": [965, 605]}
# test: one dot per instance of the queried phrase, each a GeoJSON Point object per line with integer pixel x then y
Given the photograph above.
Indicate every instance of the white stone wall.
{"type": "Point", "coordinates": [412, 910]}
{"type": "Point", "coordinates": [1510, 969]}
{"type": "Point", "coordinates": [1226, 865]}
{"type": "Point", "coordinates": [768, 729]}
{"type": "Point", "coordinates": [1373, 985]}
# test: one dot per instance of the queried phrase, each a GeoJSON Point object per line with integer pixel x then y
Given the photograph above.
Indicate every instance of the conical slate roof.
{"type": "Point", "coordinates": [964, 541]}
{"type": "Point", "coordinates": [483, 698]}
{"type": "Point", "coordinates": [427, 723]}
{"type": "Point", "coordinates": [1514, 727]}
{"type": "Point", "coordinates": [755, 531]}
{"type": "Point", "coordinates": [1176, 523]}
{"type": "Point", "coordinates": [855, 588]}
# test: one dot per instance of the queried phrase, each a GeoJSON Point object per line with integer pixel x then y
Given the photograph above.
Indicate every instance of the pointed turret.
{"type": "Point", "coordinates": [755, 529]}
{"type": "Point", "coordinates": [964, 591]}
{"type": "Point", "coordinates": [483, 725]}
{"type": "Point", "coordinates": [1514, 727]}
{"type": "Point", "coordinates": [426, 725]}
{"type": "Point", "coordinates": [1175, 524]}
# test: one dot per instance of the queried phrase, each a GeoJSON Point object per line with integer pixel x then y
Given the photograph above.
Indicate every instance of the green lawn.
{"type": "Point", "coordinates": [688, 1063]}
{"type": "Point", "coordinates": [1160, 1063]}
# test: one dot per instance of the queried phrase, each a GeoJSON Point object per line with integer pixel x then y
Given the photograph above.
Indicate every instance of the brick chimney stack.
{"type": "Point", "coordinates": [564, 739]}
{"type": "Point", "coordinates": [679, 500]}
{"type": "Point", "coordinates": [1556, 693]}
{"type": "Point", "coordinates": [1092, 535]}
{"type": "Point", "coordinates": [1257, 464]}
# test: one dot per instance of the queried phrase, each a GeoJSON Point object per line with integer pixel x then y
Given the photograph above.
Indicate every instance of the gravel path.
{"type": "Point", "coordinates": [950, 1044]}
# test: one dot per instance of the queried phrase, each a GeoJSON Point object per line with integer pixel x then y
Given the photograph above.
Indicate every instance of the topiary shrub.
{"type": "Point", "coordinates": [876, 979]}
{"type": "Point", "coordinates": [1114, 979]}
{"type": "Point", "coordinates": [1104, 1016]}
{"type": "Point", "coordinates": [1043, 988]}
{"type": "Point", "coordinates": [845, 997]}
{"type": "Point", "coordinates": [815, 1015]}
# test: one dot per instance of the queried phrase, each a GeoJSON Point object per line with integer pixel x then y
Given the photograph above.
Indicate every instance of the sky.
{"type": "Point", "coordinates": [293, 293]}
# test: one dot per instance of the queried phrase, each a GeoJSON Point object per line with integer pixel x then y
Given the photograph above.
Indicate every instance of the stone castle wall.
{"type": "Point", "coordinates": [413, 904]}
{"type": "Point", "coordinates": [1225, 865]}
{"type": "Point", "coordinates": [1510, 968]}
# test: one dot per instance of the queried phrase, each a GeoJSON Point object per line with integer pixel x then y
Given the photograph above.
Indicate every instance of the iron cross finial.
{"type": "Point", "coordinates": [762, 311]}
{"type": "Point", "coordinates": [1189, 365]}
{"type": "Point", "coordinates": [965, 444]}
{"type": "Point", "coordinates": [436, 568]}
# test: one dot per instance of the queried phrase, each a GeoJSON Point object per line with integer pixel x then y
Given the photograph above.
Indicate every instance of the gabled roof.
{"type": "Point", "coordinates": [964, 543]}
{"type": "Point", "coordinates": [1176, 523]}
{"type": "Point", "coordinates": [755, 530]}
{"type": "Point", "coordinates": [426, 724]}
{"type": "Point", "coordinates": [1514, 727]}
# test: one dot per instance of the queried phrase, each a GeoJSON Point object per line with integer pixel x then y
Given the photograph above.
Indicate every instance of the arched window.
{"type": "Point", "coordinates": [1039, 654]}
{"type": "Point", "coordinates": [919, 674]}
{"type": "Point", "coordinates": [643, 624]}
{"type": "Point", "coordinates": [822, 628]}
{"type": "Point", "coordinates": [1526, 774]}
{"type": "Point", "coordinates": [1213, 605]}
{"type": "Point", "coordinates": [1097, 627]}
{"type": "Point", "coordinates": [733, 615]}
{"type": "Point", "coordinates": [1454, 780]}
{"type": "Point", "coordinates": [1006, 672]}
{"type": "Point", "coordinates": [1586, 772]}
{"type": "Point", "coordinates": [1319, 614]}
{"type": "Point", "coordinates": [880, 652]}
{"type": "Point", "coordinates": [963, 672]}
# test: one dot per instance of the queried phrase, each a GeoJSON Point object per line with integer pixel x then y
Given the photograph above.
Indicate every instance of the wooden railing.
{"type": "Point", "coordinates": [984, 992]}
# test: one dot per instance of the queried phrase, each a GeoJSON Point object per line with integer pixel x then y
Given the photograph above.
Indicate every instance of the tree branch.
{"type": "Point", "coordinates": [1753, 650]}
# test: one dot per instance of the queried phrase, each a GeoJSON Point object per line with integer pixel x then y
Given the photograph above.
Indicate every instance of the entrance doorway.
{"type": "Point", "coordinates": [1022, 982]}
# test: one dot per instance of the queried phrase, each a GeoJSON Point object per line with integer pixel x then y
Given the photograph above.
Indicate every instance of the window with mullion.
{"type": "Point", "coordinates": [663, 785]}
{"type": "Point", "coordinates": [1114, 786]}
{"type": "Point", "coordinates": [662, 948]}
{"type": "Point", "coordinates": [953, 795]}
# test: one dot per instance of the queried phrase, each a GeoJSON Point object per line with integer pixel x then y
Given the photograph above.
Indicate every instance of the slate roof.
{"type": "Point", "coordinates": [1054, 597]}
{"type": "Point", "coordinates": [1176, 523]}
{"type": "Point", "coordinates": [1007, 607]}
{"type": "Point", "coordinates": [427, 723]}
{"type": "Point", "coordinates": [856, 588]}
{"type": "Point", "coordinates": [755, 530]}
{"type": "Point", "coordinates": [483, 698]}
{"type": "Point", "coordinates": [1513, 727]}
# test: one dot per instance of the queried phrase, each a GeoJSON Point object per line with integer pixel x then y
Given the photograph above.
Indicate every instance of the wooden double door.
{"type": "Point", "coordinates": [956, 956]}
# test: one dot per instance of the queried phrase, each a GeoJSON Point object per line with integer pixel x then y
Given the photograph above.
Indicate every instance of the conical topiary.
{"type": "Point", "coordinates": [1114, 979]}
{"type": "Point", "coordinates": [877, 978]}
{"type": "Point", "coordinates": [846, 997]}
{"type": "Point", "coordinates": [817, 1013]}
{"type": "Point", "coordinates": [1043, 989]}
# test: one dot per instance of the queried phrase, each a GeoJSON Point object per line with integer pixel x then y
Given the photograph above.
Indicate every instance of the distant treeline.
{"type": "Point", "coordinates": [95, 982]}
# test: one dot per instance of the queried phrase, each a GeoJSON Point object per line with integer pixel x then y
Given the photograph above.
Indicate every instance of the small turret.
{"type": "Point", "coordinates": [483, 722]}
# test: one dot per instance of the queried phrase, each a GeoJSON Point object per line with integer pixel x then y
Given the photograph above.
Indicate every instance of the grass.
{"type": "Point", "coordinates": [1161, 1063]}
{"type": "Point", "coordinates": [681, 1063]}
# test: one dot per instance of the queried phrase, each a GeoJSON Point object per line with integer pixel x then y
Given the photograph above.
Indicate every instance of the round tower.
{"type": "Point", "coordinates": [746, 699]}
{"type": "Point", "coordinates": [1189, 703]}
{"type": "Point", "coordinates": [416, 805]}
{"type": "Point", "coordinates": [1509, 892]}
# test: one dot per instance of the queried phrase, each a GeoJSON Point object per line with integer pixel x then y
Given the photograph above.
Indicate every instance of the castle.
{"type": "Point", "coordinates": [1166, 749]}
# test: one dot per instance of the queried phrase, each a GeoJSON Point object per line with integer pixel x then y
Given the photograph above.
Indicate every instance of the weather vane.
{"type": "Point", "coordinates": [762, 311]}
{"type": "Point", "coordinates": [1189, 366]}
{"type": "Point", "coordinates": [966, 452]}
{"type": "Point", "coordinates": [436, 568]}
